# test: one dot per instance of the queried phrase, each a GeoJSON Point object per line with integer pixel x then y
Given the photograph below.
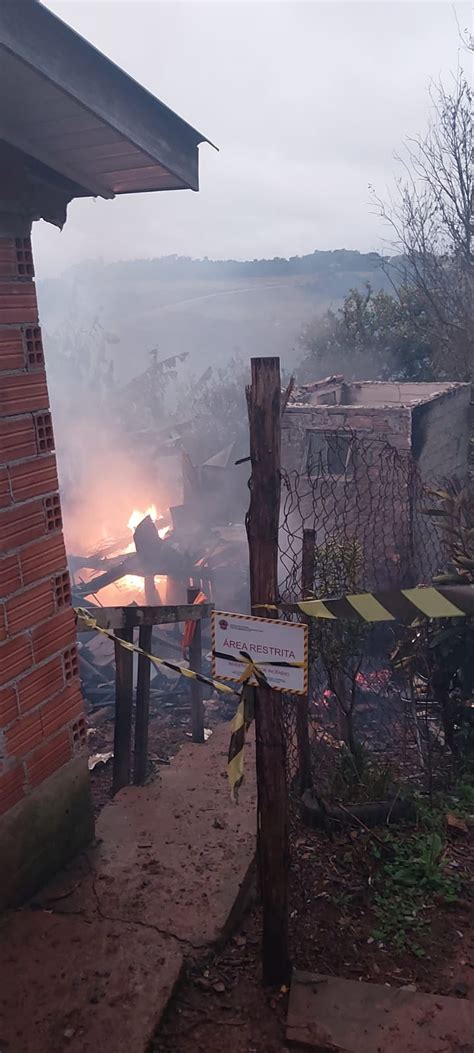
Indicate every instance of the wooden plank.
{"type": "Point", "coordinates": [195, 663]}
{"type": "Point", "coordinates": [133, 617]}
{"type": "Point", "coordinates": [351, 1016]}
{"type": "Point", "coordinates": [142, 710]}
{"type": "Point", "coordinates": [123, 710]}
{"type": "Point", "coordinates": [302, 704]}
{"type": "Point", "coordinates": [263, 399]}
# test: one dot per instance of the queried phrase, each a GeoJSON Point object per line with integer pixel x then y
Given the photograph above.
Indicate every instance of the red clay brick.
{"type": "Point", "coordinates": [30, 607]}
{"type": "Point", "coordinates": [5, 492]}
{"type": "Point", "coordinates": [17, 438]}
{"type": "Point", "coordinates": [44, 557]}
{"type": "Point", "coordinates": [33, 343]}
{"type": "Point", "coordinates": [54, 635]}
{"type": "Point", "coordinates": [10, 577]}
{"type": "Point", "coordinates": [59, 711]}
{"type": "Point", "coordinates": [8, 260]}
{"type": "Point", "coordinates": [16, 657]}
{"type": "Point", "coordinates": [33, 478]}
{"type": "Point", "coordinates": [16, 258]}
{"type": "Point", "coordinates": [24, 735]}
{"type": "Point", "coordinates": [11, 787]}
{"type": "Point", "coordinates": [48, 758]}
{"type": "Point", "coordinates": [8, 706]}
{"type": "Point", "coordinates": [40, 684]}
{"type": "Point", "coordinates": [18, 303]}
{"type": "Point", "coordinates": [21, 524]}
{"type": "Point", "coordinates": [23, 393]}
{"type": "Point", "coordinates": [3, 622]}
{"type": "Point", "coordinates": [12, 354]}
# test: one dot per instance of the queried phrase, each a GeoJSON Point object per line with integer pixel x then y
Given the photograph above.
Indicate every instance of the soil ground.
{"type": "Point", "coordinates": [221, 1002]}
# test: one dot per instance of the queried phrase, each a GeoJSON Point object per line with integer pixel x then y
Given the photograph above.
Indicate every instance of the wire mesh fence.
{"type": "Point", "coordinates": [363, 498]}
{"type": "Point", "coordinates": [355, 522]}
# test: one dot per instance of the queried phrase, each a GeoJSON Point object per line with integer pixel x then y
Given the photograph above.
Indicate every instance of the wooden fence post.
{"type": "Point", "coordinates": [264, 398]}
{"type": "Point", "coordinates": [123, 710]}
{"type": "Point", "coordinates": [142, 709]}
{"type": "Point", "coordinates": [302, 710]}
{"type": "Point", "coordinates": [195, 663]}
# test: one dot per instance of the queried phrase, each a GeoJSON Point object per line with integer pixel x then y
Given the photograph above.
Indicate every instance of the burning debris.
{"type": "Point", "coordinates": [153, 564]}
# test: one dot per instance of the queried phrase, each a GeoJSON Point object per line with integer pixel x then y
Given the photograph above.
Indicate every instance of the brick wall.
{"type": "Point", "coordinates": [41, 710]}
{"type": "Point", "coordinates": [391, 424]}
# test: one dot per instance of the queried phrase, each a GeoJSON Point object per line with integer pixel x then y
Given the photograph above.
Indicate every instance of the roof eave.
{"type": "Point", "coordinates": [46, 44]}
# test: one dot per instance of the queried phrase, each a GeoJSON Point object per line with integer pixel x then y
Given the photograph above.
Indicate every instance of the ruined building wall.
{"type": "Point", "coordinates": [367, 504]}
{"type": "Point", "coordinates": [440, 448]}
{"type": "Point", "coordinates": [45, 811]}
{"type": "Point", "coordinates": [391, 424]}
{"type": "Point", "coordinates": [440, 435]}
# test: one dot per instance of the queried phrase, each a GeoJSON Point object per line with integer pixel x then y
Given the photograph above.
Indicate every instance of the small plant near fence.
{"type": "Point", "coordinates": [408, 886]}
{"type": "Point", "coordinates": [438, 657]}
{"type": "Point", "coordinates": [338, 569]}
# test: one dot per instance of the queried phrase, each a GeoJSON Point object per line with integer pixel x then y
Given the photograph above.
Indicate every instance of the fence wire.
{"type": "Point", "coordinates": [363, 494]}
{"type": "Point", "coordinates": [370, 717]}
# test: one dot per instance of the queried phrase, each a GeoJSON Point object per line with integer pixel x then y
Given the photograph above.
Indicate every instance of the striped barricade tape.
{"type": "Point", "coordinates": [91, 623]}
{"type": "Point", "coordinates": [392, 605]}
{"type": "Point", "coordinates": [245, 713]}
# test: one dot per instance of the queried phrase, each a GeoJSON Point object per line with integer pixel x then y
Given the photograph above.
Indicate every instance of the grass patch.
{"type": "Point", "coordinates": [410, 882]}
{"type": "Point", "coordinates": [359, 778]}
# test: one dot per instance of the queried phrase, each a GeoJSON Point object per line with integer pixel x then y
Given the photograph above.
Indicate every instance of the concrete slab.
{"type": "Point", "coordinates": [176, 854]}
{"type": "Point", "coordinates": [83, 987]}
{"type": "Point", "coordinates": [93, 961]}
{"type": "Point", "coordinates": [344, 1016]}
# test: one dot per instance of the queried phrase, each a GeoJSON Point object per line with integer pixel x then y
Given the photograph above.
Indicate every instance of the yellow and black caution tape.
{"type": "Point", "coordinates": [243, 718]}
{"type": "Point", "coordinates": [392, 605]}
{"type": "Point", "coordinates": [245, 710]}
{"type": "Point", "coordinates": [91, 623]}
{"type": "Point", "coordinates": [245, 713]}
{"type": "Point", "coordinates": [253, 669]}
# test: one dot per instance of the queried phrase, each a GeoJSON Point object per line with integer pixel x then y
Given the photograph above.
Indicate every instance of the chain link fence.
{"type": "Point", "coordinates": [355, 523]}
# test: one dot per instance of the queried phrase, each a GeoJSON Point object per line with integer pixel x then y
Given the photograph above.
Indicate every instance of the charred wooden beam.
{"type": "Point", "coordinates": [130, 565]}
{"type": "Point", "coordinates": [195, 663]}
{"type": "Point", "coordinates": [142, 711]}
{"type": "Point", "coordinates": [123, 710]}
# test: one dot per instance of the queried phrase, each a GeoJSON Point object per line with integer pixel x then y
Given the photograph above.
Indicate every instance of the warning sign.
{"type": "Point", "coordinates": [243, 646]}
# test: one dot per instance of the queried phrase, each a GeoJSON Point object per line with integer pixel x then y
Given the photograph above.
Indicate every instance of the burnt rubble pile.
{"type": "Point", "coordinates": [204, 544]}
{"type": "Point", "coordinates": [219, 570]}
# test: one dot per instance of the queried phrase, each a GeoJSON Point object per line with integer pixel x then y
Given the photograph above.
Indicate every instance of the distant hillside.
{"type": "Point", "coordinates": [215, 310]}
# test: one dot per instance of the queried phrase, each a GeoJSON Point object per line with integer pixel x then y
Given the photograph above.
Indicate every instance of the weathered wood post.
{"type": "Point", "coordinates": [195, 663]}
{"type": "Point", "coordinates": [302, 704]}
{"type": "Point", "coordinates": [142, 709]}
{"type": "Point", "coordinates": [264, 396]}
{"type": "Point", "coordinates": [123, 710]}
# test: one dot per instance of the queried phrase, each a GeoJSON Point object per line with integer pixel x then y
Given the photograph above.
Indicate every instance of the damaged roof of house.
{"type": "Point", "coordinates": [69, 107]}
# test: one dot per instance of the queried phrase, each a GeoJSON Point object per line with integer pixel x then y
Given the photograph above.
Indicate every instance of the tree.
{"type": "Point", "coordinates": [430, 217]}
{"type": "Point", "coordinates": [216, 404]}
{"type": "Point", "coordinates": [424, 329]}
{"type": "Point", "coordinates": [372, 336]}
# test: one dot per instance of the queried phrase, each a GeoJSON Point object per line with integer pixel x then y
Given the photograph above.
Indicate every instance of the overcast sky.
{"type": "Point", "coordinates": [307, 102]}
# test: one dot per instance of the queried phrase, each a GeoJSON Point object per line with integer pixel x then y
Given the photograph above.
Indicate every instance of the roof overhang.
{"type": "Point", "coordinates": [69, 107]}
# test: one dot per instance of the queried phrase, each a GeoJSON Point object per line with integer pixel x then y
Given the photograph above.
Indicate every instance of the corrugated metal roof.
{"type": "Point", "coordinates": [66, 105]}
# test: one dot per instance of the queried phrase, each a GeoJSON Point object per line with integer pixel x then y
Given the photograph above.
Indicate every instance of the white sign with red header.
{"type": "Point", "coordinates": [279, 649]}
